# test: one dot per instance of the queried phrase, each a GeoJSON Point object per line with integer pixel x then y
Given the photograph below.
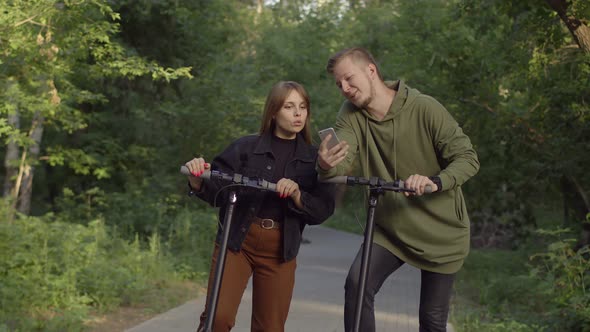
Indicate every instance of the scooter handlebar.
{"type": "Point", "coordinates": [397, 185]}
{"type": "Point", "coordinates": [184, 170]}
{"type": "Point", "coordinates": [236, 179]}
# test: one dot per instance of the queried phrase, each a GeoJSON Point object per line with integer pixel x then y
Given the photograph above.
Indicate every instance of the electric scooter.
{"type": "Point", "coordinates": [377, 187]}
{"type": "Point", "coordinates": [235, 181]}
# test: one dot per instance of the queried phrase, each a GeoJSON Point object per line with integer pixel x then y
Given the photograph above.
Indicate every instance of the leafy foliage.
{"type": "Point", "coordinates": [542, 288]}
{"type": "Point", "coordinates": [564, 275]}
{"type": "Point", "coordinates": [53, 273]}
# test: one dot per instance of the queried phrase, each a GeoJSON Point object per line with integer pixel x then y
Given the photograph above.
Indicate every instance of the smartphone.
{"type": "Point", "coordinates": [329, 131]}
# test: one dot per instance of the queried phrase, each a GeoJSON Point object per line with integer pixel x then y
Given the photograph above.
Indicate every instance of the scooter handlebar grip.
{"type": "Point", "coordinates": [427, 188]}
{"type": "Point", "coordinates": [336, 179]}
{"type": "Point", "coordinates": [184, 170]}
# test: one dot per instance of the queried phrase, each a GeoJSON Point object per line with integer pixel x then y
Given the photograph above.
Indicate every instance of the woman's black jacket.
{"type": "Point", "coordinates": [251, 156]}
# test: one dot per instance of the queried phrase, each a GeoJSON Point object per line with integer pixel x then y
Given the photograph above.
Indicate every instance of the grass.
{"type": "Point", "coordinates": [494, 293]}
{"type": "Point", "coordinates": [157, 300]}
{"type": "Point", "coordinates": [497, 290]}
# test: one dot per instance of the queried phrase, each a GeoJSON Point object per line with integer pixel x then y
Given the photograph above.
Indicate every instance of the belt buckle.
{"type": "Point", "coordinates": [264, 225]}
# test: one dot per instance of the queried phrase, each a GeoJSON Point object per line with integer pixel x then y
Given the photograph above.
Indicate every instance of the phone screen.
{"type": "Point", "coordinates": [329, 131]}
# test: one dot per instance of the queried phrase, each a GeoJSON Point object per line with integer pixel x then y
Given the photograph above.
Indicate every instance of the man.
{"type": "Point", "coordinates": [398, 133]}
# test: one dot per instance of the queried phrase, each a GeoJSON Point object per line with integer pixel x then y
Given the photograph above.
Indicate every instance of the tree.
{"type": "Point", "coordinates": [569, 14]}
{"type": "Point", "coordinates": [49, 45]}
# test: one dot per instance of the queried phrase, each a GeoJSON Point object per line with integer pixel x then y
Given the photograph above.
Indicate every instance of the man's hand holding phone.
{"type": "Point", "coordinates": [332, 151]}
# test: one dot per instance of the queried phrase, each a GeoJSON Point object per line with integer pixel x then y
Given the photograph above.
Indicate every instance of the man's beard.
{"type": "Point", "coordinates": [364, 103]}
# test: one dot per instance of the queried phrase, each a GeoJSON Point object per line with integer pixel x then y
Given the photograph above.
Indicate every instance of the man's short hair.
{"type": "Point", "coordinates": [357, 54]}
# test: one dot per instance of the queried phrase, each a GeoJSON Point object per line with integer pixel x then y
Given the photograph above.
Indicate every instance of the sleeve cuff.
{"type": "Point", "coordinates": [325, 174]}
{"type": "Point", "coordinates": [192, 191]}
{"type": "Point", "coordinates": [436, 181]}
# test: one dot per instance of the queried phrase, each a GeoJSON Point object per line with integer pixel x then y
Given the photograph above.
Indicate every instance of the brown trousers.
{"type": "Point", "coordinates": [272, 284]}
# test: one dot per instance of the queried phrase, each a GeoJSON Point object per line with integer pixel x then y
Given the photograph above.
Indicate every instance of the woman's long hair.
{"type": "Point", "coordinates": [274, 102]}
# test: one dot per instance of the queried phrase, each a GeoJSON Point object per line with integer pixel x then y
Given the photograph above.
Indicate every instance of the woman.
{"type": "Point", "coordinates": [265, 234]}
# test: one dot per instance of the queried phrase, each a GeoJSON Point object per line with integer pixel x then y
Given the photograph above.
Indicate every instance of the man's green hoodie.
{"type": "Point", "coordinates": [416, 136]}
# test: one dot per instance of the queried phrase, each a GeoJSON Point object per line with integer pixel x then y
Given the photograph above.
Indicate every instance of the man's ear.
{"type": "Point", "coordinates": [372, 70]}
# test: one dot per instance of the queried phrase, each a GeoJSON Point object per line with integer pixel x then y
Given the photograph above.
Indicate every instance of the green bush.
{"type": "Point", "coordinates": [501, 290]}
{"type": "Point", "coordinates": [474, 324]}
{"type": "Point", "coordinates": [52, 273]}
{"type": "Point", "coordinates": [565, 276]}
{"type": "Point", "coordinates": [136, 211]}
{"type": "Point", "coordinates": [190, 240]}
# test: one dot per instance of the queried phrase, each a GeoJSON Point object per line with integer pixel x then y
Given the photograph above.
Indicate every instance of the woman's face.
{"type": "Point", "coordinates": [291, 118]}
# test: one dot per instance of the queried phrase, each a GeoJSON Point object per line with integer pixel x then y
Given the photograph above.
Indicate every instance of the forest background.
{"type": "Point", "coordinates": [102, 101]}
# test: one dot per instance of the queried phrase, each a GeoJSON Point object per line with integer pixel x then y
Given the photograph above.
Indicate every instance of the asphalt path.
{"type": "Point", "coordinates": [318, 298]}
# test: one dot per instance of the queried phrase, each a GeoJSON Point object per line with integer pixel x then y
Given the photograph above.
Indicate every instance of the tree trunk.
{"type": "Point", "coordinates": [576, 201]}
{"type": "Point", "coordinates": [24, 182]}
{"type": "Point", "coordinates": [564, 195]}
{"type": "Point", "coordinates": [579, 30]}
{"type": "Point", "coordinates": [11, 158]}
{"type": "Point", "coordinates": [582, 193]}
{"type": "Point", "coordinates": [583, 35]}
{"type": "Point", "coordinates": [28, 170]}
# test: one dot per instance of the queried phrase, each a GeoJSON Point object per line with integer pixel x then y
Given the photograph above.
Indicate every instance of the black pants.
{"type": "Point", "coordinates": [435, 292]}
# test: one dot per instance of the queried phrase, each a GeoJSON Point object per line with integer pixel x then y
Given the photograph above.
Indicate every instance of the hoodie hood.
{"type": "Point", "coordinates": [403, 101]}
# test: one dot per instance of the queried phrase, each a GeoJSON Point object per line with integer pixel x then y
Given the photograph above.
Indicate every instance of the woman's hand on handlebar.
{"type": "Point", "coordinates": [289, 188]}
{"type": "Point", "coordinates": [196, 167]}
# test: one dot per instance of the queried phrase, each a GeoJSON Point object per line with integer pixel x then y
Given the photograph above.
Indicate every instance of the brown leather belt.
{"type": "Point", "coordinates": [266, 223]}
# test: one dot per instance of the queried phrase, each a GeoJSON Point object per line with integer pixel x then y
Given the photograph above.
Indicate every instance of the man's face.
{"type": "Point", "coordinates": [354, 82]}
